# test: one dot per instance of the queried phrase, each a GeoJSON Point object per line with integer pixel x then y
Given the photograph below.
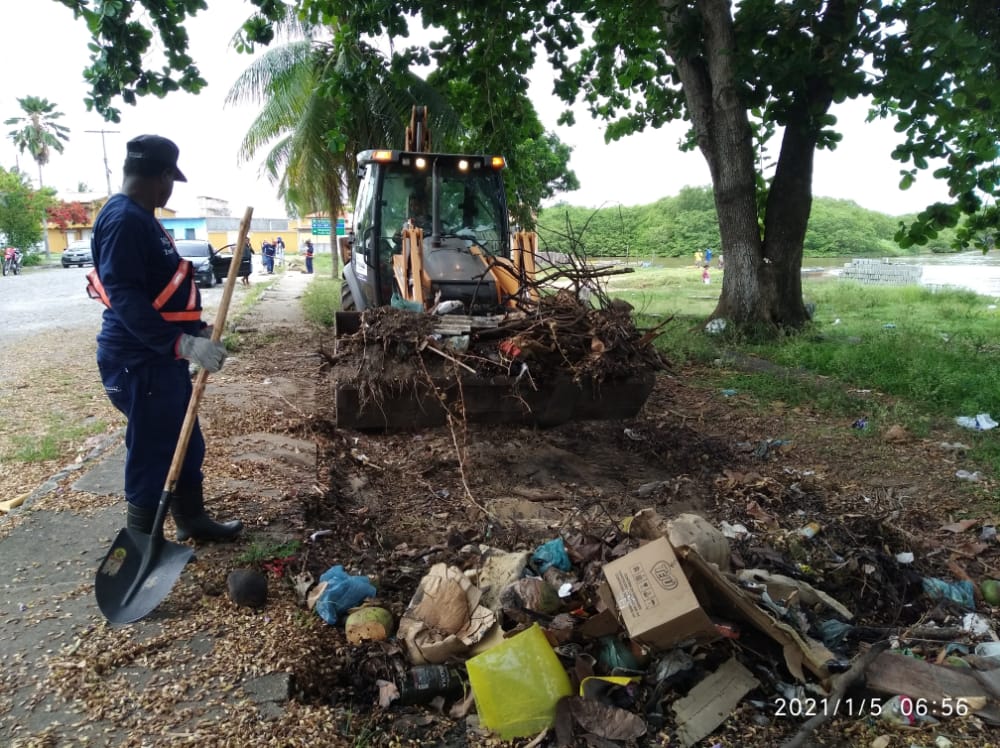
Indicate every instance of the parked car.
{"type": "Point", "coordinates": [77, 253]}
{"type": "Point", "coordinates": [207, 262]}
{"type": "Point", "coordinates": [223, 256]}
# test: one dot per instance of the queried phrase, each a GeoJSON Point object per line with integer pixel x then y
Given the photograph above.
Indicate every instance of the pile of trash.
{"type": "Point", "coordinates": [659, 627]}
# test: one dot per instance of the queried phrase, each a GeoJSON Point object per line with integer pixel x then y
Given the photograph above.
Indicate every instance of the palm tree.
{"type": "Point", "coordinates": [321, 104]}
{"type": "Point", "coordinates": [40, 134]}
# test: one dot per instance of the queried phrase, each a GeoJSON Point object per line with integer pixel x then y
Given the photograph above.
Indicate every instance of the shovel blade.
{"type": "Point", "coordinates": [137, 574]}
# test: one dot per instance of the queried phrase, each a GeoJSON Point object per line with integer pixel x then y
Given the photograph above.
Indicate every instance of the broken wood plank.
{"type": "Point", "coordinates": [939, 688]}
{"type": "Point", "coordinates": [9, 504]}
{"type": "Point", "coordinates": [842, 684]}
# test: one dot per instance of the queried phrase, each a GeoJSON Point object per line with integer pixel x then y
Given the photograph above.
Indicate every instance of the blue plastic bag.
{"type": "Point", "coordinates": [342, 593]}
{"type": "Point", "coordinates": [960, 592]}
{"type": "Point", "coordinates": [549, 554]}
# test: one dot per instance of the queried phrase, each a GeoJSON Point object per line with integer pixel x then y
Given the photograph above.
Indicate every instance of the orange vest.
{"type": "Point", "coordinates": [95, 290]}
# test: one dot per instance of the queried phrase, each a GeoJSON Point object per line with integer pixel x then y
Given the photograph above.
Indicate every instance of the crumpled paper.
{"type": "Point", "coordinates": [685, 530]}
{"type": "Point", "coordinates": [444, 618]}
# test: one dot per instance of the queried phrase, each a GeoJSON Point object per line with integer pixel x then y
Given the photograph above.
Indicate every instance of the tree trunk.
{"type": "Point", "coordinates": [762, 285]}
{"type": "Point", "coordinates": [45, 217]}
{"type": "Point", "coordinates": [724, 137]}
{"type": "Point", "coordinates": [789, 202]}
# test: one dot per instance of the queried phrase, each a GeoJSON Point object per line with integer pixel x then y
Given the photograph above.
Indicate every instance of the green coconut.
{"type": "Point", "coordinates": [370, 624]}
{"type": "Point", "coordinates": [991, 591]}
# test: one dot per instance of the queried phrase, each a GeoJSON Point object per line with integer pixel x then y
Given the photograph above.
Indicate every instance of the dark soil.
{"type": "Point", "coordinates": [398, 503]}
{"type": "Point", "coordinates": [390, 506]}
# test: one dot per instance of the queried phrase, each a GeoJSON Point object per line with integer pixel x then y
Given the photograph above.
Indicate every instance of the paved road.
{"type": "Point", "coordinates": [55, 298]}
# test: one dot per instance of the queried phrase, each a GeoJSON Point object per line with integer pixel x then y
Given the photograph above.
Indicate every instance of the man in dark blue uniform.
{"type": "Point", "coordinates": [151, 329]}
{"type": "Point", "coordinates": [309, 256]}
{"type": "Point", "coordinates": [267, 251]}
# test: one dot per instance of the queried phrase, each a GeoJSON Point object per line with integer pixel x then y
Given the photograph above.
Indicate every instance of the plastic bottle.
{"type": "Point", "coordinates": [810, 530]}
{"type": "Point", "coordinates": [424, 683]}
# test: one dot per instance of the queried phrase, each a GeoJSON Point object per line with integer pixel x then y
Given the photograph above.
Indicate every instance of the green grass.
{"type": "Point", "coordinates": [925, 357]}
{"type": "Point", "coordinates": [321, 300]}
{"type": "Point", "coordinates": [52, 443]}
{"type": "Point", "coordinates": [265, 550]}
{"type": "Point", "coordinates": [322, 297]}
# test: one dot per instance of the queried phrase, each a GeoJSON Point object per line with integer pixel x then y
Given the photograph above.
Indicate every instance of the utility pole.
{"type": "Point", "coordinates": [107, 171]}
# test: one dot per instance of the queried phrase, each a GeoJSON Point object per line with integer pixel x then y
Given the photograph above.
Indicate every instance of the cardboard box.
{"type": "Point", "coordinates": [653, 598]}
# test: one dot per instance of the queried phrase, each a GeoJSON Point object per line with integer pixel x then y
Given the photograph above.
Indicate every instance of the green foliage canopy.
{"type": "Point", "coordinates": [680, 225]}
{"type": "Point", "coordinates": [22, 209]}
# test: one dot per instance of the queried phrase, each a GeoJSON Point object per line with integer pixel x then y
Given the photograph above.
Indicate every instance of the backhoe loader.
{"type": "Point", "coordinates": [432, 234]}
{"type": "Point", "coordinates": [434, 223]}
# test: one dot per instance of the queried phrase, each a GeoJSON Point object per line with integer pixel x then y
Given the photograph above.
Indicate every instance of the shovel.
{"type": "Point", "coordinates": [139, 570]}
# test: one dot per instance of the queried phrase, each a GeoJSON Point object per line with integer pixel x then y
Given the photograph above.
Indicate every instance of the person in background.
{"type": "Point", "coordinates": [708, 255]}
{"type": "Point", "coordinates": [150, 330]}
{"type": "Point", "coordinates": [698, 258]}
{"type": "Point", "coordinates": [267, 252]}
{"type": "Point", "coordinates": [309, 256]}
{"type": "Point", "coordinates": [705, 277]}
{"type": "Point", "coordinates": [279, 251]}
{"type": "Point", "coordinates": [246, 262]}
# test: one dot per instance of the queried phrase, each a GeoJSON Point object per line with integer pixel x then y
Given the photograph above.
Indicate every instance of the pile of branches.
{"type": "Point", "coordinates": [563, 335]}
{"type": "Point", "coordinates": [557, 335]}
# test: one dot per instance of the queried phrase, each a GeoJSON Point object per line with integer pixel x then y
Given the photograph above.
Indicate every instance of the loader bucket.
{"type": "Point", "coordinates": [499, 400]}
{"type": "Point", "coordinates": [414, 403]}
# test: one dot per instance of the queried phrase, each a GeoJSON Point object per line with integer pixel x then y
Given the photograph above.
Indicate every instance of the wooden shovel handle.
{"type": "Point", "coordinates": [202, 378]}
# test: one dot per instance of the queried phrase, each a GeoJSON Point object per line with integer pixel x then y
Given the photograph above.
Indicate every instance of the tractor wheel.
{"type": "Point", "coordinates": [347, 303]}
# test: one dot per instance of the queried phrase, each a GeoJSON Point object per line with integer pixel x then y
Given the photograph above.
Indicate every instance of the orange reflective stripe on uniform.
{"type": "Point", "coordinates": [172, 286]}
{"type": "Point", "coordinates": [95, 290]}
{"type": "Point", "coordinates": [181, 316]}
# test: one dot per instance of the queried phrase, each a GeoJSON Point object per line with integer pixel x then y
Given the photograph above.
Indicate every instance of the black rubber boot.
{"type": "Point", "coordinates": [138, 518]}
{"type": "Point", "coordinates": [188, 510]}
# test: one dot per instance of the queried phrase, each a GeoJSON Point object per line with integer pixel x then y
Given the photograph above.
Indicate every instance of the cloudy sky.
{"type": "Point", "coordinates": [47, 54]}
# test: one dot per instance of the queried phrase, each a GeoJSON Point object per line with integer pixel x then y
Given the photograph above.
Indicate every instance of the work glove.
{"type": "Point", "coordinates": [202, 351]}
{"type": "Point", "coordinates": [206, 331]}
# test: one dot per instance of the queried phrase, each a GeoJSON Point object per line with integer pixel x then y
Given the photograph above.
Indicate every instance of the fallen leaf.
{"type": "Point", "coordinates": [964, 525]}
{"type": "Point", "coordinates": [758, 513]}
{"type": "Point", "coordinates": [896, 434]}
{"type": "Point", "coordinates": [606, 721]}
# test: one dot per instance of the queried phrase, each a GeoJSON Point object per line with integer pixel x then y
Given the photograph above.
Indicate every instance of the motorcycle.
{"type": "Point", "coordinates": [12, 261]}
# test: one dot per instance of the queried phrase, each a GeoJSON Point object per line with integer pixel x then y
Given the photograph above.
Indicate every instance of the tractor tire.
{"type": "Point", "coordinates": [347, 303]}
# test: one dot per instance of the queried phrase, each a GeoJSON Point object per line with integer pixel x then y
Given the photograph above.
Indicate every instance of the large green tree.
{"type": "Point", "coordinates": [746, 75]}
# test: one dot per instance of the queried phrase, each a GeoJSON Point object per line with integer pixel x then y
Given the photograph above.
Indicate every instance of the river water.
{"type": "Point", "coordinates": [971, 270]}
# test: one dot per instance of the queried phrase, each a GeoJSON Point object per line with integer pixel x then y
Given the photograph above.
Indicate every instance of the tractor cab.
{"type": "Point", "coordinates": [428, 224]}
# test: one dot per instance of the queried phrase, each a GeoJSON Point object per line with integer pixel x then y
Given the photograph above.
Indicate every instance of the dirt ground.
{"type": "Point", "coordinates": [389, 506]}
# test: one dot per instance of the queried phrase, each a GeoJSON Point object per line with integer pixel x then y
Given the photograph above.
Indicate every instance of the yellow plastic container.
{"type": "Point", "coordinates": [517, 684]}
